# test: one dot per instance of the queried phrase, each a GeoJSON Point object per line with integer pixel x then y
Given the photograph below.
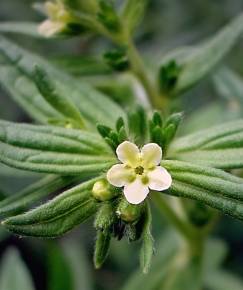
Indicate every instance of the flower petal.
{"type": "Point", "coordinates": [151, 155]}
{"type": "Point", "coordinates": [128, 153]}
{"type": "Point", "coordinates": [136, 191]}
{"type": "Point", "coordinates": [159, 179]}
{"type": "Point", "coordinates": [118, 175]}
{"type": "Point", "coordinates": [49, 28]}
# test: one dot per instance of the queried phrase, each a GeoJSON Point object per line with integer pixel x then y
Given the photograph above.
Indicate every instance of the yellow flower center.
{"type": "Point", "coordinates": [139, 170]}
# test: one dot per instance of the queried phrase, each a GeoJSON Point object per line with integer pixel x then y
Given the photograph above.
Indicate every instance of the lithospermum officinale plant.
{"type": "Point", "coordinates": [116, 161]}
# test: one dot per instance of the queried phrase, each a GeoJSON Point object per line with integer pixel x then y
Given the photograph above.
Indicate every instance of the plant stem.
{"type": "Point", "coordinates": [138, 68]}
{"type": "Point", "coordinates": [186, 229]}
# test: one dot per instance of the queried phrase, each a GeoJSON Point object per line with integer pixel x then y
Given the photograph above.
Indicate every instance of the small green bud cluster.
{"type": "Point", "coordinates": [115, 218]}
{"type": "Point", "coordinates": [114, 137]}
{"type": "Point", "coordinates": [168, 76]}
{"type": "Point", "coordinates": [163, 132]}
{"type": "Point", "coordinates": [117, 59]}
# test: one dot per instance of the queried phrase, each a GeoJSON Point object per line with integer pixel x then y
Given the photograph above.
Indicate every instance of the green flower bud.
{"type": "Point", "coordinates": [103, 191]}
{"type": "Point", "coordinates": [129, 212]}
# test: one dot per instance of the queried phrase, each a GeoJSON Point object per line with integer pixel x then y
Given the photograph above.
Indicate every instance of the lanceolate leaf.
{"type": "Point", "coordinates": [213, 187]}
{"type": "Point", "coordinates": [197, 61]}
{"type": "Point", "coordinates": [26, 28]}
{"type": "Point", "coordinates": [220, 146]}
{"type": "Point", "coordinates": [21, 88]}
{"type": "Point", "coordinates": [223, 280]}
{"type": "Point", "coordinates": [229, 85]}
{"type": "Point", "coordinates": [14, 274]}
{"type": "Point", "coordinates": [56, 99]}
{"type": "Point", "coordinates": [133, 13]}
{"type": "Point", "coordinates": [147, 249]}
{"type": "Point", "coordinates": [33, 193]}
{"type": "Point", "coordinates": [58, 215]}
{"type": "Point", "coordinates": [55, 150]}
{"type": "Point", "coordinates": [16, 73]}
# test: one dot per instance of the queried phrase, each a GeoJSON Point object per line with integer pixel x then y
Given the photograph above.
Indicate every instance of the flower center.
{"type": "Point", "coordinates": [139, 170]}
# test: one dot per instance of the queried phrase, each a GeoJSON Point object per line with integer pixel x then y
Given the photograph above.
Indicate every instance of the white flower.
{"type": "Point", "coordinates": [139, 172]}
{"type": "Point", "coordinates": [58, 18]}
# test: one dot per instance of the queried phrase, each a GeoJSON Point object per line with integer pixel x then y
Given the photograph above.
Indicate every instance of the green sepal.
{"type": "Point", "coordinates": [108, 17]}
{"type": "Point", "coordinates": [134, 230]}
{"type": "Point", "coordinates": [157, 136]}
{"type": "Point", "coordinates": [129, 212]}
{"type": "Point", "coordinates": [90, 7]}
{"type": "Point", "coordinates": [103, 130]}
{"type": "Point", "coordinates": [174, 119]}
{"type": "Point", "coordinates": [168, 75]}
{"type": "Point", "coordinates": [105, 217]}
{"type": "Point", "coordinates": [157, 119]}
{"type": "Point", "coordinates": [117, 59]}
{"type": "Point", "coordinates": [120, 123]}
{"type": "Point", "coordinates": [102, 246]}
{"type": "Point", "coordinates": [113, 138]}
{"type": "Point", "coordinates": [138, 127]}
{"type": "Point", "coordinates": [169, 133]}
{"type": "Point", "coordinates": [122, 135]}
{"type": "Point", "coordinates": [133, 13]}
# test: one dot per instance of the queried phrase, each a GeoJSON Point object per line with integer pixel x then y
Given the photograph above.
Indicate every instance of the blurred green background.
{"type": "Point", "coordinates": [66, 263]}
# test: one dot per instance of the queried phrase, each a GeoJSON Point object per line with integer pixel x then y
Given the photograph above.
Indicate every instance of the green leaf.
{"type": "Point", "coordinates": [26, 28]}
{"type": "Point", "coordinates": [81, 65]}
{"type": "Point", "coordinates": [147, 249]}
{"type": "Point", "coordinates": [59, 275]}
{"type": "Point", "coordinates": [211, 186]}
{"type": "Point", "coordinates": [220, 146]}
{"type": "Point", "coordinates": [166, 251]}
{"type": "Point", "coordinates": [229, 85]}
{"type": "Point", "coordinates": [57, 216]}
{"type": "Point", "coordinates": [117, 59]}
{"type": "Point", "coordinates": [133, 13]}
{"type": "Point", "coordinates": [13, 274]}
{"type": "Point", "coordinates": [206, 116]}
{"type": "Point", "coordinates": [216, 251]}
{"type": "Point", "coordinates": [102, 246]}
{"type": "Point", "coordinates": [20, 86]}
{"type": "Point", "coordinates": [56, 99]}
{"type": "Point", "coordinates": [196, 62]}
{"type": "Point", "coordinates": [108, 17]}
{"type": "Point", "coordinates": [223, 280]}
{"type": "Point", "coordinates": [78, 260]}
{"type": "Point", "coordinates": [16, 73]}
{"type": "Point", "coordinates": [33, 193]}
{"type": "Point", "coordinates": [55, 150]}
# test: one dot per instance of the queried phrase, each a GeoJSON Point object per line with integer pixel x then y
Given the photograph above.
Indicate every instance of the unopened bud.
{"type": "Point", "coordinates": [129, 212]}
{"type": "Point", "coordinates": [103, 191]}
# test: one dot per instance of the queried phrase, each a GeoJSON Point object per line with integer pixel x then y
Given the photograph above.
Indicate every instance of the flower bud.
{"type": "Point", "coordinates": [103, 191]}
{"type": "Point", "coordinates": [58, 19]}
{"type": "Point", "coordinates": [129, 212]}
